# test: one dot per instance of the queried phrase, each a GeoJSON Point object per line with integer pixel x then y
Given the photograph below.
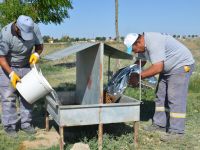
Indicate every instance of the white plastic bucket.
{"type": "Point", "coordinates": [33, 86]}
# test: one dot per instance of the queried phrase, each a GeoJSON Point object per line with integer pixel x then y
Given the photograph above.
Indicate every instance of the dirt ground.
{"type": "Point", "coordinates": [43, 139]}
{"type": "Point", "coordinates": [47, 140]}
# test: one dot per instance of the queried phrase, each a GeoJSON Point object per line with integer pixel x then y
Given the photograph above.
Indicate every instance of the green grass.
{"type": "Point", "coordinates": [61, 75]}
{"type": "Point", "coordinates": [194, 83]}
{"type": "Point", "coordinates": [7, 143]}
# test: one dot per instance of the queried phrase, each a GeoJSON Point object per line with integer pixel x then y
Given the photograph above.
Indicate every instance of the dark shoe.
{"type": "Point", "coordinates": [153, 128]}
{"type": "Point", "coordinates": [171, 136]}
{"type": "Point", "coordinates": [11, 132]}
{"type": "Point", "coordinates": [29, 130]}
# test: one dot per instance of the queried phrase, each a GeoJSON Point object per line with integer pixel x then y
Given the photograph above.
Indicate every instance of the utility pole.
{"type": "Point", "coordinates": [116, 21]}
{"type": "Point", "coordinates": [117, 31]}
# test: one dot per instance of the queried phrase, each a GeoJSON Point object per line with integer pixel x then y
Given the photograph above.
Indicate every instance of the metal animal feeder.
{"type": "Point", "coordinates": [85, 106]}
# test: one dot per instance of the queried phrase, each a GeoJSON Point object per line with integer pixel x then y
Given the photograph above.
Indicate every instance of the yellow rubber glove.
{"type": "Point", "coordinates": [187, 68]}
{"type": "Point", "coordinates": [14, 78]}
{"type": "Point", "coordinates": [34, 58]}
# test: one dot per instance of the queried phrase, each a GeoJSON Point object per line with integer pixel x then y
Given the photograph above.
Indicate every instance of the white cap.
{"type": "Point", "coordinates": [26, 26]}
{"type": "Point", "coordinates": [130, 40]}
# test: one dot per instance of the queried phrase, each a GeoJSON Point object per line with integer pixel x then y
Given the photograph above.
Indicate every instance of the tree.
{"type": "Point", "coordinates": [65, 38]}
{"type": "Point", "coordinates": [77, 39]}
{"type": "Point", "coordinates": [45, 11]}
{"type": "Point", "coordinates": [46, 38]}
{"type": "Point", "coordinates": [100, 38]}
{"type": "Point", "coordinates": [56, 40]}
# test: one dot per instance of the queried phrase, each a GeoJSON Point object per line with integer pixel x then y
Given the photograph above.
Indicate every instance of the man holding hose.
{"type": "Point", "coordinates": [17, 40]}
{"type": "Point", "coordinates": [174, 63]}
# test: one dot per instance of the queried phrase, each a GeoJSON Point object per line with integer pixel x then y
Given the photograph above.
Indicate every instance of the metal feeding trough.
{"type": "Point", "coordinates": [84, 105]}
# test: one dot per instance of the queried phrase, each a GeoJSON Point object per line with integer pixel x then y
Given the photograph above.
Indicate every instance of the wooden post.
{"type": "Point", "coordinates": [100, 137]}
{"type": "Point", "coordinates": [61, 130]}
{"type": "Point", "coordinates": [108, 68]}
{"type": "Point", "coordinates": [136, 129]}
{"type": "Point", "coordinates": [47, 121]}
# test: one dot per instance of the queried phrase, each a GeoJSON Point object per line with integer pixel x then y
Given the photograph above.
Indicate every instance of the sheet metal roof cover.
{"type": "Point", "coordinates": [108, 51]}
{"type": "Point", "coordinates": [69, 50]}
{"type": "Point", "coordinates": [115, 53]}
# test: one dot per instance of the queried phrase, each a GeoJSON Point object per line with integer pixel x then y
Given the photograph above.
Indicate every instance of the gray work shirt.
{"type": "Point", "coordinates": [163, 47]}
{"type": "Point", "coordinates": [16, 50]}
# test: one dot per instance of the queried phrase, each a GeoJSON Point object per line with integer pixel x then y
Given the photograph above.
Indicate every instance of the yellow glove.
{"type": "Point", "coordinates": [34, 58]}
{"type": "Point", "coordinates": [187, 68]}
{"type": "Point", "coordinates": [14, 78]}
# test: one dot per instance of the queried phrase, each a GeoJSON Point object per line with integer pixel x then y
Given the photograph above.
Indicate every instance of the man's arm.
{"type": "Point", "coordinates": [4, 65]}
{"type": "Point", "coordinates": [38, 40]}
{"type": "Point", "coordinates": [39, 48]}
{"type": "Point", "coordinates": [153, 70]}
{"type": "Point", "coordinates": [14, 78]}
{"type": "Point", "coordinates": [142, 62]}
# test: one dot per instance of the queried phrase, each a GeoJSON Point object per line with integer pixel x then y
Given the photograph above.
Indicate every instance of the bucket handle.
{"type": "Point", "coordinates": [37, 68]}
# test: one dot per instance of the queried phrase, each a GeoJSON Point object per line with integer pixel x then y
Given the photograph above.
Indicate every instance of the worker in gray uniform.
{"type": "Point", "coordinates": [17, 40]}
{"type": "Point", "coordinates": [174, 63]}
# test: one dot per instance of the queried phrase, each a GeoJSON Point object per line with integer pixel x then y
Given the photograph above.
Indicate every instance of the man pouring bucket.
{"type": "Point", "coordinates": [17, 40]}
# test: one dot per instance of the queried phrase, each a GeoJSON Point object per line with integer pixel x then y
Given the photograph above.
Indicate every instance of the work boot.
{"type": "Point", "coordinates": [29, 130]}
{"type": "Point", "coordinates": [153, 128]}
{"type": "Point", "coordinates": [171, 136]}
{"type": "Point", "coordinates": [11, 132]}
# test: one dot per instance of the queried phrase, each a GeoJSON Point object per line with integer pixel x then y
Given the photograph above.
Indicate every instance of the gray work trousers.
{"type": "Point", "coordinates": [9, 95]}
{"type": "Point", "coordinates": [171, 100]}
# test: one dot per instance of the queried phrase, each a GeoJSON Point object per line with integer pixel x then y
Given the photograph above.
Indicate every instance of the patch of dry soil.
{"type": "Point", "coordinates": [43, 139]}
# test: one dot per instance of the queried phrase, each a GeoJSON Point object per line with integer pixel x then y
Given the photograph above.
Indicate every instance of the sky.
{"type": "Point", "coordinates": [96, 18]}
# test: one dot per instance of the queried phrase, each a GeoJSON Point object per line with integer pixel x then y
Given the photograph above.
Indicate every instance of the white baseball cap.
{"type": "Point", "coordinates": [130, 40]}
{"type": "Point", "coordinates": [26, 26]}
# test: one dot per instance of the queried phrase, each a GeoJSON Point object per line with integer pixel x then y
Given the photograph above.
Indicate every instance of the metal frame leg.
{"type": "Point", "coordinates": [136, 129]}
{"type": "Point", "coordinates": [61, 131]}
{"type": "Point", "coordinates": [100, 137]}
{"type": "Point", "coordinates": [47, 121]}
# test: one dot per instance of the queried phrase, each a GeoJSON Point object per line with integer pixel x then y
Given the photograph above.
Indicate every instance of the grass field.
{"type": "Point", "coordinates": [61, 73]}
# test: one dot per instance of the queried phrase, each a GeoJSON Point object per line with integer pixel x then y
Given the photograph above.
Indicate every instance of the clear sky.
{"type": "Point", "coordinates": [92, 18]}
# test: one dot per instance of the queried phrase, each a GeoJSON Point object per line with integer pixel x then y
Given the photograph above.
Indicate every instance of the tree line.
{"type": "Point", "coordinates": [66, 38]}
{"type": "Point", "coordinates": [48, 39]}
{"type": "Point", "coordinates": [186, 36]}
